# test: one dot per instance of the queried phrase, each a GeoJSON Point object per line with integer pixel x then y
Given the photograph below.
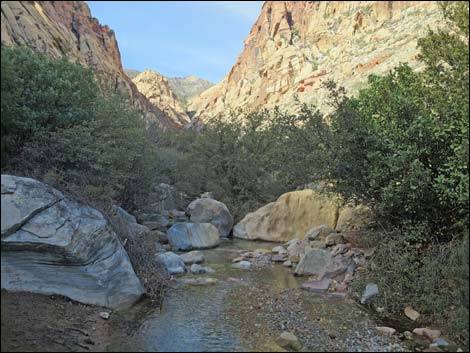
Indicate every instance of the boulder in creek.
{"type": "Point", "coordinates": [173, 263]}
{"type": "Point", "coordinates": [207, 210]}
{"type": "Point", "coordinates": [52, 244]}
{"type": "Point", "coordinates": [321, 264]}
{"type": "Point", "coordinates": [188, 236]}
{"type": "Point", "coordinates": [193, 257]}
{"type": "Point", "coordinates": [311, 212]}
{"type": "Point", "coordinates": [317, 286]}
{"type": "Point", "coordinates": [291, 216]}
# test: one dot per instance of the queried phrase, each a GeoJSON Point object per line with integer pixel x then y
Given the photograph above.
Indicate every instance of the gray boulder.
{"type": "Point", "coordinates": [193, 257]}
{"type": "Point", "coordinates": [54, 245]}
{"type": "Point", "coordinates": [207, 210]}
{"type": "Point", "coordinates": [125, 224]}
{"type": "Point", "coordinates": [321, 264]}
{"type": "Point", "coordinates": [188, 236]}
{"type": "Point", "coordinates": [173, 263]}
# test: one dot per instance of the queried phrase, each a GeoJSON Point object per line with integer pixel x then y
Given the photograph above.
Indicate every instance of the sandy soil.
{"type": "Point", "coordinates": [32, 322]}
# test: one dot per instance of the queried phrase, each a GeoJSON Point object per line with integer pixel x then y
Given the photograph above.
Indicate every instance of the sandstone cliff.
{"type": "Point", "coordinates": [295, 45]}
{"type": "Point", "coordinates": [66, 28]}
{"type": "Point", "coordinates": [158, 91]}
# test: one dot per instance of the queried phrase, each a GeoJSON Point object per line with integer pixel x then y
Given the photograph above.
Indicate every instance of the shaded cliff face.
{"type": "Point", "coordinates": [295, 45]}
{"type": "Point", "coordinates": [158, 91]}
{"type": "Point", "coordinates": [66, 28]}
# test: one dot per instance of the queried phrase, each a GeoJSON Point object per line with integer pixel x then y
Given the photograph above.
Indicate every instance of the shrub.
{"type": "Point", "coordinates": [41, 94]}
{"type": "Point", "coordinates": [103, 161]}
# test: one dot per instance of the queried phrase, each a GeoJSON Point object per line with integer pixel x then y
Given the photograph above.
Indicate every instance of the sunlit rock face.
{"type": "Point", "coordinates": [295, 45]}
{"type": "Point", "coordinates": [158, 91]}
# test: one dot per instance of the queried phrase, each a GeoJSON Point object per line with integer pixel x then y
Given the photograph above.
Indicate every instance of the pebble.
{"type": "Point", "coordinates": [427, 332]}
{"type": "Point", "coordinates": [384, 330]}
{"type": "Point", "coordinates": [104, 315]}
{"type": "Point", "coordinates": [243, 265]}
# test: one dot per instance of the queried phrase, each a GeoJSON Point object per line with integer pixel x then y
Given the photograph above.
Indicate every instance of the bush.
{"type": "Point", "coordinates": [41, 94]}
{"type": "Point", "coordinates": [431, 279]}
{"type": "Point", "coordinates": [402, 144]}
{"type": "Point", "coordinates": [251, 162]}
{"type": "Point", "coordinates": [102, 161]}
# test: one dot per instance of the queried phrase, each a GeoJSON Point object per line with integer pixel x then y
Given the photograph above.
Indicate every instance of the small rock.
{"type": "Point", "coordinates": [408, 335]}
{"type": "Point", "coordinates": [339, 249]}
{"type": "Point", "coordinates": [193, 257]}
{"type": "Point", "coordinates": [243, 265]}
{"type": "Point", "coordinates": [372, 290]}
{"type": "Point", "coordinates": [341, 288]}
{"type": "Point", "coordinates": [104, 315]}
{"type": "Point", "coordinates": [207, 195]}
{"type": "Point", "coordinates": [334, 239]}
{"type": "Point", "coordinates": [261, 251]}
{"type": "Point", "coordinates": [199, 281]}
{"type": "Point", "coordinates": [440, 342]}
{"type": "Point", "coordinates": [427, 332]}
{"type": "Point", "coordinates": [198, 269]}
{"type": "Point", "coordinates": [383, 330]}
{"type": "Point", "coordinates": [238, 259]}
{"type": "Point", "coordinates": [319, 232]}
{"type": "Point", "coordinates": [278, 258]}
{"type": "Point", "coordinates": [316, 286]}
{"type": "Point", "coordinates": [287, 263]}
{"type": "Point", "coordinates": [288, 340]}
{"type": "Point", "coordinates": [411, 313]}
{"type": "Point", "coordinates": [317, 244]}
{"type": "Point", "coordinates": [279, 250]}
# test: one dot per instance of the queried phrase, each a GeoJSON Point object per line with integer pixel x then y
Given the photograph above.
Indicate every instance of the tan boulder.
{"type": "Point", "coordinates": [290, 217]}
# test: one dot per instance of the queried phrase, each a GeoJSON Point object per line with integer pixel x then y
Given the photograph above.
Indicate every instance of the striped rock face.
{"type": "Point", "coordinates": [54, 245]}
{"type": "Point", "coordinates": [296, 45]}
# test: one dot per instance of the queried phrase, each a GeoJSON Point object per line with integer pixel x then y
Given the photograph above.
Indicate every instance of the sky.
{"type": "Point", "coordinates": [179, 38]}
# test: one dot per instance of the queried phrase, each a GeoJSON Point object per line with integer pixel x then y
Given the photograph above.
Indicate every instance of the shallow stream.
{"type": "Point", "coordinates": [246, 310]}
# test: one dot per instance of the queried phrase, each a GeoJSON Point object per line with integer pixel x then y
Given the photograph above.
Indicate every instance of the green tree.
{"type": "Point", "coordinates": [41, 94]}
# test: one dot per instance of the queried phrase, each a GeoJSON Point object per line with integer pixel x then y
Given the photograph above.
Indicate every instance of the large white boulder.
{"type": "Point", "coordinates": [52, 244]}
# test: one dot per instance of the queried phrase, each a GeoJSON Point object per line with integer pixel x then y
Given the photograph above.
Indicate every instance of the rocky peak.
{"type": "Point", "coordinates": [295, 45]}
{"type": "Point", "coordinates": [158, 91]}
{"type": "Point", "coordinates": [188, 87]}
{"type": "Point", "coordinates": [66, 28]}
